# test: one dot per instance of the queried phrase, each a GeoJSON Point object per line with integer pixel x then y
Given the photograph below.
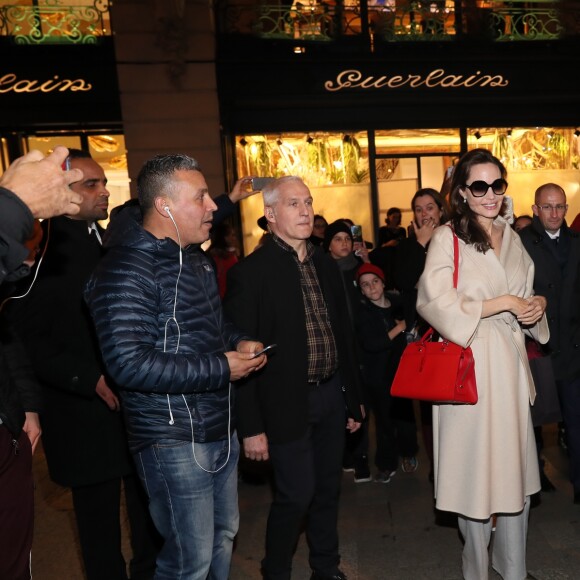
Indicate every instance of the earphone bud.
{"type": "Point", "coordinates": [166, 209]}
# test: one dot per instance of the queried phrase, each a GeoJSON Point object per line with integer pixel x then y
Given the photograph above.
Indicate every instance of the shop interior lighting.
{"type": "Point", "coordinates": [299, 49]}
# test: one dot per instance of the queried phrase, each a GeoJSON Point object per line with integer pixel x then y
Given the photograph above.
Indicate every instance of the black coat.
{"type": "Point", "coordinates": [85, 442]}
{"type": "Point", "coordinates": [561, 288]}
{"type": "Point", "coordinates": [380, 355]}
{"type": "Point", "coordinates": [15, 226]}
{"type": "Point", "coordinates": [19, 392]}
{"type": "Point", "coordinates": [409, 261]}
{"type": "Point", "coordinates": [264, 298]}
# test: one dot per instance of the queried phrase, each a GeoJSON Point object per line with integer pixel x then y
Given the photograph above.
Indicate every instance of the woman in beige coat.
{"type": "Point", "coordinates": [485, 455]}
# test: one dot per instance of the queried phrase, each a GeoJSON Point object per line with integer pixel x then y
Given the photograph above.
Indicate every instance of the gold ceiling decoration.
{"type": "Point", "coordinates": [104, 143]}
{"type": "Point", "coordinates": [118, 162]}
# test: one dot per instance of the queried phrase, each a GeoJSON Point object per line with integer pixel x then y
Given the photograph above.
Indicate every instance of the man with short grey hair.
{"type": "Point", "coordinates": [290, 294]}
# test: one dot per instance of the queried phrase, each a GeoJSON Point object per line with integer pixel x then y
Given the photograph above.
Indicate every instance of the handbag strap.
{"type": "Point", "coordinates": [429, 334]}
{"type": "Point", "coordinates": [455, 257]}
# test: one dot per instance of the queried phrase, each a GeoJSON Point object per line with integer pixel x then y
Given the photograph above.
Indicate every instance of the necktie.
{"type": "Point", "coordinates": [94, 234]}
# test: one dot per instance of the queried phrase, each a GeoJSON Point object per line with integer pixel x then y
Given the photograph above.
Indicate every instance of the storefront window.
{"type": "Point", "coordinates": [534, 156]}
{"type": "Point", "coordinates": [409, 159]}
{"type": "Point", "coordinates": [414, 141]}
{"type": "Point", "coordinates": [335, 167]}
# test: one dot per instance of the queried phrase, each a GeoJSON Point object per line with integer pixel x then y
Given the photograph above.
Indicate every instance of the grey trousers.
{"type": "Point", "coordinates": [509, 545]}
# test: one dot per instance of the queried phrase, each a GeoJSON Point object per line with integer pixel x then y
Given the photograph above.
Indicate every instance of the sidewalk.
{"type": "Point", "coordinates": [387, 531]}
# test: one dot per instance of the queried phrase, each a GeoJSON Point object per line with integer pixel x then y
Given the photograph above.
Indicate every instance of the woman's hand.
{"type": "Point", "coordinates": [424, 232]}
{"type": "Point", "coordinates": [536, 306]}
{"type": "Point", "coordinates": [526, 310]}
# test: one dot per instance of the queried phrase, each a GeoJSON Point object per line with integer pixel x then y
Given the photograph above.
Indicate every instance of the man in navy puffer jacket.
{"type": "Point", "coordinates": [165, 342]}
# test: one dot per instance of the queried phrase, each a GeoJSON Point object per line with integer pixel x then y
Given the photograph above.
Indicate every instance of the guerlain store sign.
{"type": "Point", "coordinates": [10, 83]}
{"type": "Point", "coordinates": [437, 78]}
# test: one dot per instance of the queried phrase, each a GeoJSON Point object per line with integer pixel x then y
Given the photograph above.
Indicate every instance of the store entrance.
{"type": "Point", "coordinates": [399, 178]}
{"type": "Point", "coordinates": [360, 175]}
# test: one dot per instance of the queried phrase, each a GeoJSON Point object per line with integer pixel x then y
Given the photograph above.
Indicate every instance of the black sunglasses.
{"type": "Point", "coordinates": [479, 188]}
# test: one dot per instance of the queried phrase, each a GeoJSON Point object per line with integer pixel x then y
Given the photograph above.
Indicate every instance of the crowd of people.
{"type": "Point", "coordinates": [151, 365]}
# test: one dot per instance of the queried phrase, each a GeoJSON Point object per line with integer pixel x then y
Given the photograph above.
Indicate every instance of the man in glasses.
{"type": "Point", "coordinates": [555, 250]}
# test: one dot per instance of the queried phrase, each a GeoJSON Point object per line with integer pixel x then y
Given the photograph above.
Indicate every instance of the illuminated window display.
{"type": "Point", "coordinates": [337, 168]}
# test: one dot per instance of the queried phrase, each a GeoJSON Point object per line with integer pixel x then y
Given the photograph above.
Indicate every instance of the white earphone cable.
{"type": "Point", "coordinates": [174, 319]}
{"type": "Point", "coordinates": [35, 272]}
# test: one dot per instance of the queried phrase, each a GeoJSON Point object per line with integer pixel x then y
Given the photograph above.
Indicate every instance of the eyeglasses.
{"type": "Point", "coordinates": [550, 208]}
{"type": "Point", "coordinates": [480, 188]}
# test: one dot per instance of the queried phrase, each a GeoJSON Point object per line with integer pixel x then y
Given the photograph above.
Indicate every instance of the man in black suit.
{"type": "Point", "coordinates": [555, 250]}
{"type": "Point", "coordinates": [290, 293]}
{"type": "Point", "coordinates": [83, 433]}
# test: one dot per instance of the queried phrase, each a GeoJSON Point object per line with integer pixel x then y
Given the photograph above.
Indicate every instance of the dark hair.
{"type": "Point", "coordinates": [78, 154]}
{"type": "Point", "coordinates": [155, 177]}
{"type": "Point", "coordinates": [437, 198]}
{"type": "Point", "coordinates": [521, 217]}
{"type": "Point", "coordinates": [317, 216]}
{"type": "Point", "coordinates": [393, 210]}
{"type": "Point", "coordinates": [218, 235]}
{"type": "Point", "coordinates": [463, 218]}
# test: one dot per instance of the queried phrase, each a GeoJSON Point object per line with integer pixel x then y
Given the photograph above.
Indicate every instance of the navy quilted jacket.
{"type": "Point", "coordinates": [172, 374]}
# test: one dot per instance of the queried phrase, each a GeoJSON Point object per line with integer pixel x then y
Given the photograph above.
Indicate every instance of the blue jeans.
{"type": "Point", "coordinates": [196, 512]}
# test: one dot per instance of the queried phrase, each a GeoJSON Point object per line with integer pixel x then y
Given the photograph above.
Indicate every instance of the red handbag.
{"type": "Point", "coordinates": [440, 372]}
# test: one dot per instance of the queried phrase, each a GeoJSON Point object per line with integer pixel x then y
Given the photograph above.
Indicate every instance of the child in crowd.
{"type": "Point", "coordinates": [381, 332]}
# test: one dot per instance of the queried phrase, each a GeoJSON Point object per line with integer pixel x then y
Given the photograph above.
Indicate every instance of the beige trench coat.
{"type": "Point", "coordinates": [485, 458]}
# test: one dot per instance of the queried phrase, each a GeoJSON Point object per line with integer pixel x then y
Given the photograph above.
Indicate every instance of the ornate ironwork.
{"type": "Point", "coordinates": [513, 21]}
{"type": "Point", "coordinates": [416, 21]}
{"type": "Point", "coordinates": [55, 22]}
{"type": "Point", "coordinates": [396, 20]}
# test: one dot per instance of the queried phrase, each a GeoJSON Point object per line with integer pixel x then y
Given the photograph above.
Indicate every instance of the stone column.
{"type": "Point", "coordinates": [166, 67]}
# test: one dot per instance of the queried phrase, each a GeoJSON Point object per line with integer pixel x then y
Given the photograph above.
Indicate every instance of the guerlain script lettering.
{"type": "Point", "coordinates": [354, 79]}
{"type": "Point", "coordinates": [11, 83]}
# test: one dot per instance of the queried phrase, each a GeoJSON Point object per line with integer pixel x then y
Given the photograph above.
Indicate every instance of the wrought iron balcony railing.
{"type": "Point", "coordinates": [55, 21]}
{"type": "Point", "coordinates": [401, 20]}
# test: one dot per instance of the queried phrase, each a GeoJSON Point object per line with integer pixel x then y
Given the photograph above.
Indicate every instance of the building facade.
{"type": "Point", "coordinates": [366, 100]}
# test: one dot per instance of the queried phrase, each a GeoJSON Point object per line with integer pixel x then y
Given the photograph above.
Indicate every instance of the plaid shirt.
{"type": "Point", "coordinates": [322, 354]}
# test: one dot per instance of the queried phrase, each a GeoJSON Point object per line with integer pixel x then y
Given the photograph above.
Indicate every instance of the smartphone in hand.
{"type": "Point", "coordinates": [264, 350]}
{"type": "Point", "coordinates": [258, 183]}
